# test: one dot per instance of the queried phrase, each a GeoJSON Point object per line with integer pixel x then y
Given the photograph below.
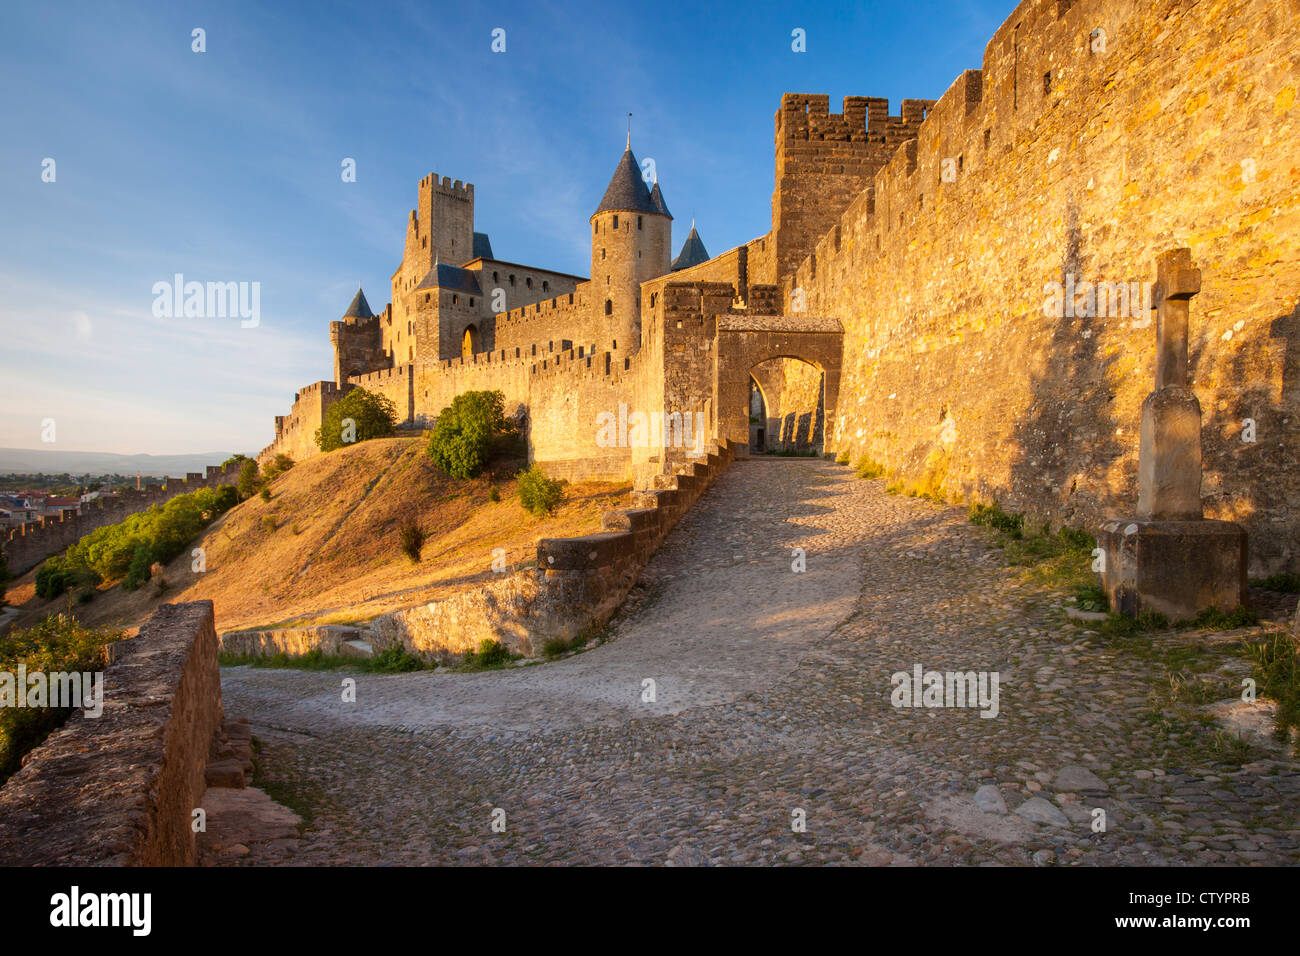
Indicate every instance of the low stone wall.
{"type": "Point", "coordinates": [328, 639]}
{"type": "Point", "coordinates": [120, 789]}
{"type": "Point", "coordinates": [578, 583]}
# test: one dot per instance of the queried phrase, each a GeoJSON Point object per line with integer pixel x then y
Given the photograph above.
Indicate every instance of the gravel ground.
{"type": "Point", "coordinates": [771, 738]}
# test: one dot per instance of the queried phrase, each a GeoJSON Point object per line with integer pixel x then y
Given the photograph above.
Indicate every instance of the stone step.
{"type": "Point", "coordinates": [225, 773]}
{"type": "Point", "coordinates": [356, 648]}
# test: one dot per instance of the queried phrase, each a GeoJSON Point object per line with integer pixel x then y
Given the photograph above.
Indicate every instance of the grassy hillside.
{"type": "Point", "coordinates": [325, 549]}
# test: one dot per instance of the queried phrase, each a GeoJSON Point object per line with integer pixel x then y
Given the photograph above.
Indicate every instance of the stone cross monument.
{"type": "Point", "coordinates": [1168, 558]}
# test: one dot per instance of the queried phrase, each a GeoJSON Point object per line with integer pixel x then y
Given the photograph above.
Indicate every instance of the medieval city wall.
{"type": "Point", "coordinates": [396, 384]}
{"type": "Point", "coordinates": [29, 544]}
{"type": "Point", "coordinates": [1097, 135]}
{"type": "Point", "coordinates": [295, 433]}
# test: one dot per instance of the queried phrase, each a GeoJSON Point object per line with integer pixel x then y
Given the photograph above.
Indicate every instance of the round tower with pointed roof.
{"type": "Point", "coordinates": [631, 235]}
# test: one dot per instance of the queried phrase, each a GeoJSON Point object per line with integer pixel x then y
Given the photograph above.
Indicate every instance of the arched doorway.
{"type": "Point", "coordinates": [799, 402]}
{"type": "Point", "coordinates": [469, 342]}
{"type": "Point", "coordinates": [787, 407]}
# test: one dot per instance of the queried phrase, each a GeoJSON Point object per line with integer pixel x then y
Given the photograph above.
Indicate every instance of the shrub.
{"type": "Point", "coordinates": [278, 467]}
{"type": "Point", "coordinates": [371, 416]}
{"type": "Point", "coordinates": [265, 493]}
{"type": "Point", "coordinates": [494, 494]}
{"type": "Point", "coordinates": [234, 460]}
{"type": "Point", "coordinates": [58, 643]}
{"type": "Point", "coordinates": [268, 524]}
{"type": "Point", "coordinates": [491, 655]}
{"type": "Point", "coordinates": [842, 458]}
{"type": "Point", "coordinates": [58, 575]}
{"type": "Point", "coordinates": [413, 538]}
{"type": "Point", "coordinates": [463, 435]}
{"type": "Point", "coordinates": [537, 493]}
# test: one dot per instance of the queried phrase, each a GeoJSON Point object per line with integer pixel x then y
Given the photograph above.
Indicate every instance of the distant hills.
{"type": "Point", "coordinates": [35, 461]}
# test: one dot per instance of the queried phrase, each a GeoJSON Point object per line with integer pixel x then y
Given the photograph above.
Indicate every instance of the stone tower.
{"type": "Point", "coordinates": [631, 235]}
{"type": "Point", "coordinates": [441, 229]}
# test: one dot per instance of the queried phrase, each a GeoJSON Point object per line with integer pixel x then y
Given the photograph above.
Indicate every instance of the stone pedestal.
{"type": "Point", "coordinates": [1169, 456]}
{"type": "Point", "coordinates": [1176, 568]}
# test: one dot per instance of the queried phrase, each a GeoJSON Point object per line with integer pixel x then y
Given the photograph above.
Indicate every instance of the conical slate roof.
{"type": "Point", "coordinates": [626, 191]}
{"type": "Point", "coordinates": [360, 308]}
{"type": "Point", "coordinates": [693, 252]}
{"type": "Point", "coordinates": [657, 199]}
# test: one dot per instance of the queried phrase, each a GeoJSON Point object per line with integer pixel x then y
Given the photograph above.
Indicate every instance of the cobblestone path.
{"type": "Point", "coordinates": [772, 697]}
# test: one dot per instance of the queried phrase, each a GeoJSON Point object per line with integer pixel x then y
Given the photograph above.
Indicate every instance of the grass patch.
{"type": "Point", "coordinates": [391, 660]}
{"type": "Point", "coordinates": [490, 656]}
{"type": "Point", "coordinates": [1286, 583]}
{"type": "Point", "coordinates": [1060, 559]}
{"type": "Point", "coordinates": [1277, 676]}
{"type": "Point", "coordinates": [867, 468]}
{"type": "Point", "coordinates": [591, 634]}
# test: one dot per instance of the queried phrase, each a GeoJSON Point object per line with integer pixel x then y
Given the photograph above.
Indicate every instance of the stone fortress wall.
{"type": "Point", "coordinates": [1096, 135]}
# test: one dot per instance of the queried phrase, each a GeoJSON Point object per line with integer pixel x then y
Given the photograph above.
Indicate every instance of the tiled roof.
{"type": "Point", "coordinates": [482, 246]}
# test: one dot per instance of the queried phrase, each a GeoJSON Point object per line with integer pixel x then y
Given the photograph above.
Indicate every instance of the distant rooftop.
{"type": "Point", "coordinates": [693, 252]}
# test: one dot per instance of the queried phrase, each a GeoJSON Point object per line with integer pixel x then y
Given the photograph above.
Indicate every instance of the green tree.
{"type": "Point", "coordinates": [358, 416]}
{"type": "Point", "coordinates": [462, 438]}
{"type": "Point", "coordinates": [249, 479]}
{"type": "Point", "coordinates": [138, 573]}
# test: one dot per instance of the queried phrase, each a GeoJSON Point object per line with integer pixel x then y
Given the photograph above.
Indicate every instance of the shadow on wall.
{"type": "Point", "coordinates": [1247, 481]}
{"type": "Point", "coordinates": [1065, 444]}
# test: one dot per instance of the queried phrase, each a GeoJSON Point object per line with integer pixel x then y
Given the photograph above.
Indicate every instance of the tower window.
{"type": "Point", "coordinates": [546, 286]}
{"type": "Point", "coordinates": [529, 282]}
{"type": "Point", "coordinates": [495, 278]}
{"type": "Point", "coordinates": [471, 300]}
{"type": "Point", "coordinates": [595, 228]}
{"type": "Point", "coordinates": [638, 222]}
{"type": "Point", "coordinates": [615, 220]}
{"type": "Point", "coordinates": [512, 279]}
{"type": "Point", "coordinates": [609, 306]}
{"type": "Point", "coordinates": [602, 253]}
{"type": "Point", "coordinates": [455, 299]}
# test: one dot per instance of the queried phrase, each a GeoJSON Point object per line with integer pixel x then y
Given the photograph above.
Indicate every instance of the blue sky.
{"type": "Point", "coordinates": [225, 166]}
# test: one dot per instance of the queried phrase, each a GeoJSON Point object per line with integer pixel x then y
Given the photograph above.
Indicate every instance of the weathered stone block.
{"type": "Point", "coordinates": [1175, 568]}
{"type": "Point", "coordinates": [1169, 461]}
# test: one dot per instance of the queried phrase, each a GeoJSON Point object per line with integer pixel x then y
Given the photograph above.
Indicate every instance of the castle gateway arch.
{"type": "Point", "coordinates": [747, 347]}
